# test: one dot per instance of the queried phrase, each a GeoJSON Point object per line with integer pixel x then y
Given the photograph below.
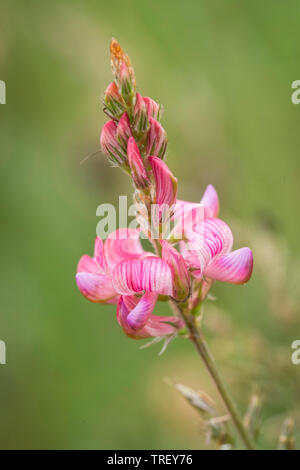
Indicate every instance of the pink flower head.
{"type": "Point", "coordinates": [121, 271]}
{"type": "Point", "coordinates": [138, 171]}
{"type": "Point", "coordinates": [156, 139]}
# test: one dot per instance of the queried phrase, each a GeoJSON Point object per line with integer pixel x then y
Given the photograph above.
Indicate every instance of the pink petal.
{"type": "Point", "coordinates": [96, 287]}
{"type": "Point", "coordinates": [235, 267]}
{"type": "Point", "coordinates": [165, 182]}
{"type": "Point", "coordinates": [127, 276]}
{"type": "Point", "coordinates": [160, 326]}
{"type": "Point", "coordinates": [187, 216]}
{"type": "Point", "coordinates": [181, 278]}
{"type": "Point", "coordinates": [157, 276]}
{"type": "Point", "coordinates": [210, 200]}
{"type": "Point", "coordinates": [88, 265]}
{"type": "Point", "coordinates": [122, 244]}
{"type": "Point", "coordinates": [134, 319]}
{"type": "Point", "coordinates": [151, 274]}
{"type": "Point", "coordinates": [156, 139]}
{"type": "Point", "coordinates": [205, 242]}
{"type": "Point", "coordinates": [138, 171]}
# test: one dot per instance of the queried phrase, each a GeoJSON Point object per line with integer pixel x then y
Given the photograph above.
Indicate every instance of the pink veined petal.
{"type": "Point", "coordinates": [122, 244]}
{"type": "Point", "coordinates": [181, 278]}
{"type": "Point", "coordinates": [157, 276]}
{"type": "Point", "coordinates": [127, 276]}
{"type": "Point", "coordinates": [88, 265]}
{"type": "Point", "coordinates": [235, 267]}
{"type": "Point", "coordinates": [205, 242]}
{"type": "Point", "coordinates": [132, 314]}
{"type": "Point", "coordinates": [151, 274]}
{"type": "Point", "coordinates": [99, 253]}
{"type": "Point", "coordinates": [165, 182]}
{"type": "Point", "coordinates": [96, 287]}
{"type": "Point", "coordinates": [210, 200]}
{"type": "Point", "coordinates": [160, 326]}
{"type": "Point", "coordinates": [188, 216]}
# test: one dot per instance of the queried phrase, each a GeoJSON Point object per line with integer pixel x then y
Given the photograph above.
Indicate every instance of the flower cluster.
{"type": "Point", "coordinates": [186, 259]}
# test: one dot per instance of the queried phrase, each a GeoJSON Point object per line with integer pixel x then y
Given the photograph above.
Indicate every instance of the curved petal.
{"type": "Point", "coordinates": [132, 313]}
{"type": "Point", "coordinates": [127, 276]}
{"type": "Point", "coordinates": [165, 182]}
{"type": "Point", "coordinates": [235, 267]}
{"type": "Point", "coordinates": [181, 278]}
{"type": "Point", "coordinates": [96, 287]}
{"type": "Point", "coordinates": [210, 200]}
{"type": "Point", "coordinates": [122, 244]}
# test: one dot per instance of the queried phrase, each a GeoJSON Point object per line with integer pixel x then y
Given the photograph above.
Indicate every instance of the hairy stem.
{"type": "Point", "coordinates": [200, 344]}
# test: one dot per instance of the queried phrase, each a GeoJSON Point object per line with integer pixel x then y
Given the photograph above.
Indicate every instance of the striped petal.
{"type": "Point", "coordinates": [132, 314]}
{"type": "Point", "coordinates": [165, 182]}
{"type": "Point", "coordinates": [122, 244]}
{"type": "Point", "coordinates": [235, 267]}
{"type": "Point", "coordinates": [96, 287]}
{"type": "Point", "coordinates": [210, 201]}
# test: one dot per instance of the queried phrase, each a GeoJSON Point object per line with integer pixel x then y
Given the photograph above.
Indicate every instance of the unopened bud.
{"type": "Point", "coordinates": [156, 139]}
{"type": "Point", "coordinates": [181, 278]}
{"type": "Point", "coordinates": [123, 72]}
{"type": "Point", "coordinates": [138, 171]}
{"type": "Point", "coordinates": [124, 131]}
{"type": "Point", "coordinates": [286, 438]}
{"type": "Point", "coordinates": [140, 116]}
{"type": "Point", "coordinates": [153, 109]}
{"type": "Point", "coordinates": [110, 145]}
{"type": "Point", "coordinates": [113, 100]}
{"type": "Point", "coordinates": [252, 416]}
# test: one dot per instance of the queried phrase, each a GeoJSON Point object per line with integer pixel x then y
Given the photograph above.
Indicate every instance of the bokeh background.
{"type": "Point", "coordinates": [223, 71]}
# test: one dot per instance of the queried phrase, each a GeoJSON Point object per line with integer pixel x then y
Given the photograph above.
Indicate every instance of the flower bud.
{"type": "Point", "coordinates": [124, 131]}
{"type": "Point", "coordinates": [123, 72]}
{"type": "Point", "coordinates": [181, 278]}
{"type": "Point", "coordinates": [113, 100]}
{"type": "Point", "coordinates": [157, 140]}
{"type": "Point", "coordinates": [140, 116]}
{"type": "Point", "coordinates": [110, 145]}
{"type": "Point", "coordinates": [138, 171]}
{"type": "Point", "coordinates": [153, 109]}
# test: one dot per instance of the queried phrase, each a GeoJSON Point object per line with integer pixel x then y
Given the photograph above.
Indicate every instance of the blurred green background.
{"type": "Point", "coordinates": [223, 71]}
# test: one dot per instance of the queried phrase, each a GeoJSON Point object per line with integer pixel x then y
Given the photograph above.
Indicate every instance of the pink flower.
{"type": "Point", "coordinates": [207, 248]}
{"type": "Point", "coordinates": [121, 271]}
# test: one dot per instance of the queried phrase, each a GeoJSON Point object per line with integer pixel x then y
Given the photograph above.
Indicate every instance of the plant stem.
{"type": "Point", "coordinates": [200, 344]}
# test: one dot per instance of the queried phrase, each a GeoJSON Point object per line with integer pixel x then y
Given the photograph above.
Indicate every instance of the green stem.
{"type": "Point", "coordinates": [200, 344]}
